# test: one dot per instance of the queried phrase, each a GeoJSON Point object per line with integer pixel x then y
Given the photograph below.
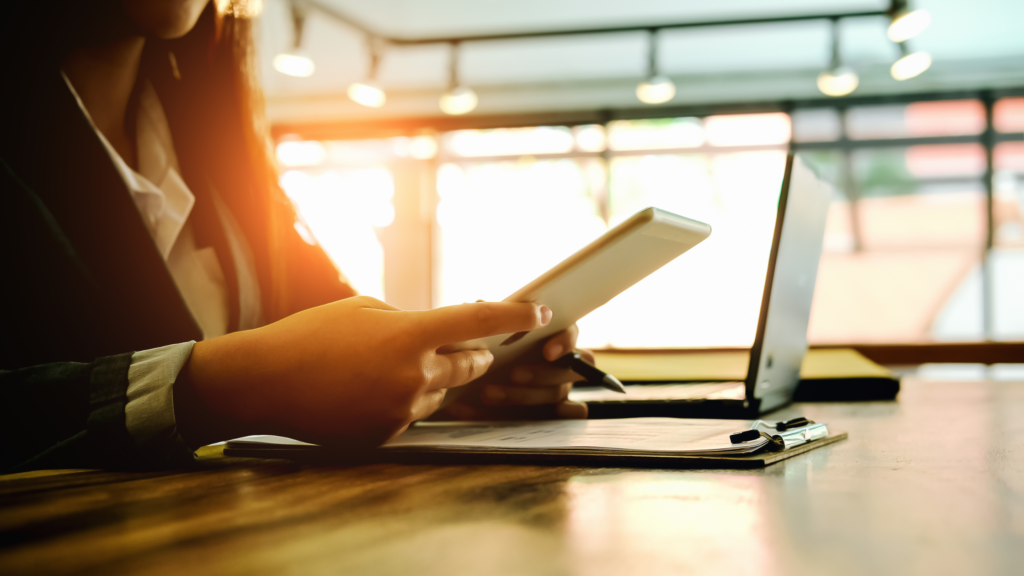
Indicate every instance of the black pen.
{"type": "Point", "coordinates": [594, 376]}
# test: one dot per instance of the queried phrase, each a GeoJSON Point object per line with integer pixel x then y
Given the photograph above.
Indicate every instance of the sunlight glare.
{"type": "Point", "coordinates": [748, 129]}
{"type": "Point", "coordinates": [301, 153]}
{"type": "Point", "coordinates": [342, 208]}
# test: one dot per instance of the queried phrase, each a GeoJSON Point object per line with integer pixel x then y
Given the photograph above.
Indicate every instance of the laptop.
{"type": "Point", "coordinates": [781, 338]}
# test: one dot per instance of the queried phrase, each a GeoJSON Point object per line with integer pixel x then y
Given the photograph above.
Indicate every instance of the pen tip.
{"type": "Point", "coordinates": [614, 384]}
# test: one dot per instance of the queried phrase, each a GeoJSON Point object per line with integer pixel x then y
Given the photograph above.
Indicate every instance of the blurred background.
{"type": "Point", "coordinates": [444, 151]}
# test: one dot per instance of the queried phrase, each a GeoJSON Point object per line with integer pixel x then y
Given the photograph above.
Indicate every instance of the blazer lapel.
{"type": "Point", "coordinates": [60, 157]}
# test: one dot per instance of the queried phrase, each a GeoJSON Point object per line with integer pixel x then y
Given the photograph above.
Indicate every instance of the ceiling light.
{"type": "Point", "coordinates": [369, 92]}
{"type": "Point", "coordinates": [656, 89]}
{"type": "Point", "coordinates": [911, 65]}
{"type": "Point", "coordinates": [295, 62]}
{"type": "Point", "coordinates": [838, 80]}
{"type": "Point", "coordinates": [458, 99]}
{"type": "Point", "coordinates": [906, 24]}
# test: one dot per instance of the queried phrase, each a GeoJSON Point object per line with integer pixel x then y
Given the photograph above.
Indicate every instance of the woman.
{"type": "Point", "coordinates": [156, 293]}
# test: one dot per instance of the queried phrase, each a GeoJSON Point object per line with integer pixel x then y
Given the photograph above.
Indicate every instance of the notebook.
{"type": "Point", "coordinates": [826, 374]}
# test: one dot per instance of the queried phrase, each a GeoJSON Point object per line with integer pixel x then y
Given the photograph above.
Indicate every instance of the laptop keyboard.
{"type": "Point", "coordinates": [663, 392]}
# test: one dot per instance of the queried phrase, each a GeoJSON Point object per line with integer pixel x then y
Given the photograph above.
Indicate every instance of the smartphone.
{"type": "Point", "coordinates": [592, 276]}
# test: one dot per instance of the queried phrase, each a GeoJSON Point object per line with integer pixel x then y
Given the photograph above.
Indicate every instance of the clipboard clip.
{"type": "Point", "coordinates": [789, 434]}
{"type": "Point", "coordinates": [797, 422]}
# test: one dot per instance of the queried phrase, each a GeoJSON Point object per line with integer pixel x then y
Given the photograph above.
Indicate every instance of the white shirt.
{"type": "Point", "coordinates": [165, 202]}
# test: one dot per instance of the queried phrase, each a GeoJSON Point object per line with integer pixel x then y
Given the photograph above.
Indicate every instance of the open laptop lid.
{"type": "Point", "coordinates": [781, 339]}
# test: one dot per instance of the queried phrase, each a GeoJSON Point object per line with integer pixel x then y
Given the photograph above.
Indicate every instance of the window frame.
{"type": "Point", "coordinates": [986, 351]}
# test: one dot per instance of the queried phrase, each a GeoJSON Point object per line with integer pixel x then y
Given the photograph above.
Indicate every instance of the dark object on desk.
{"type": "Point", "coordinates": [594, 376]}
{"type": "Point", "coordinates": [745, 436]}
{"type": "Point", "coordinates": [847, 389]}
{"type": "Point", "coordinates": [793, 423]}
{"type": "Point", "coordinates": [755, 432]}
{"type": "Point", "coordinates": [790, 433]}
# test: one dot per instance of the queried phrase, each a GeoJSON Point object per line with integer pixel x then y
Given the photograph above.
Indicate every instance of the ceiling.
{"type": "Point", "coordinates": [974, 44]}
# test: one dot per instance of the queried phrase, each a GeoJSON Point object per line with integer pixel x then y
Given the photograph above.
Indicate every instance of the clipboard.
{"type": "Point", "coordinates": [642, 454]}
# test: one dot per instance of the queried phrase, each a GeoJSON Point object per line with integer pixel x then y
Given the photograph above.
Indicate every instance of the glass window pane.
{"type": "Point", "coordinates": [656, 134]}
{"type": "Point", "coordinates": [343, 207]}
{"type": "Point", "coordinates": [1008, 197]}
{"type": "Point", "coordinates": [353, 153]}
{"type": "Point", "coordinates": [509, 141]}
{"type": "Point", "coordinates": [590, 138]}
{"type": "Point", "coordinates": [916, 275]}
{"type": "Point", "coordinates": [839, 229]}
{"type": "Point", "coordinates": [1009, 156]}
{"type": "Point", "coordinates": [748, 129]}
{"type": "Point", "coordinates": [816, 125]}
{"type": "Point", "coordinates": [502, 224]}
{"type": "Point", "coordinates": [945, 160]}
{"type": "Point", "coordinates": [921, 196]}
{"type": "Point", "coordinates": [897, 296]}
{"type": "Point", "coordinates": [1007, 273]}
{"type": "Point", "coordinates": [916, 120]}
{"type": "Point", "coordinates": [710, 296]}
{"type": "Point", "coordinates": [1008, 115]}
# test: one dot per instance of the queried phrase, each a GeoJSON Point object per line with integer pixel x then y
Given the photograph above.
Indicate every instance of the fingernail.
{"type": "Point", "coordinates": [555, 352]}
{"type": "Point", "coordinates": [521, 376]}
{"type": "Point", "coordinates": [494, 394]}
{"type": "Point", "coordinates": [545, 315]}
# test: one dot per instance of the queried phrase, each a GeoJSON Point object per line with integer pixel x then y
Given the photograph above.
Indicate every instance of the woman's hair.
{"type": "Point", "coordinates": [206, 82]}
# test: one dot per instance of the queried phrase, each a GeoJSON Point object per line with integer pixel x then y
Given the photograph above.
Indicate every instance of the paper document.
{"type": "Point", "coordinates": [649, 436]}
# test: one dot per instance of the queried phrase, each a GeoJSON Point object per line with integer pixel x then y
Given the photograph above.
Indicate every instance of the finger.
{"type": "Point", "coordinates": [480, 320]}
{"type": "Point", "coordinates": [543, 375]}
{"type": "Point", "coordinates": [427, 404]}
{"type": "Point", "coordinates": [588, 356]}
{"type": "Point", "coordinates": [501, 395]}
{"type": "Point", "coordinates": [561, 344]}
{"type": "Point", "coordinates": [458, 368]}
{"type": "Point", "coordinates": [570, 410]}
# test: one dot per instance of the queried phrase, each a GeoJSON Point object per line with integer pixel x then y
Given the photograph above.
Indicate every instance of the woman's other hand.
{"type": "Point", "coordinates": [356, 371]}
{"type": "Point", "coordinates": [528, 390]}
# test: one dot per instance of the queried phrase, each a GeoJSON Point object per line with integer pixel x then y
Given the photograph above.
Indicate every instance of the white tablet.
{"type": "Point", "coordinates": [591, 277]}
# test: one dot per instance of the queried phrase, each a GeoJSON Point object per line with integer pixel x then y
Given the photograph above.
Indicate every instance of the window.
{"type": "Point", "coordinates": [918, 247]}
{"type": "Point", "coordinates": [343, 193]}
{"type": "Point", "coordinates": [504, 221]}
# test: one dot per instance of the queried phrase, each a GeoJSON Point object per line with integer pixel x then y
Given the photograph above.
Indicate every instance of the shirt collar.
{"type": "Point", "coordinates": [161, 196]}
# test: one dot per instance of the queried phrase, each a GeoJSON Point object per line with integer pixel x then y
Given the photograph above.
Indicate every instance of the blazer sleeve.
{"type": "Point", "coordinates": [72, 415]}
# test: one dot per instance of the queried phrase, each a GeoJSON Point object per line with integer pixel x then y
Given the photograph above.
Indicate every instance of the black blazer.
{"type": "Point", "coordinates": [82, 286]}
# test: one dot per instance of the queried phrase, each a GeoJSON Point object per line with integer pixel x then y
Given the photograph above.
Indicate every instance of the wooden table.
{"type": "Point", "coordinates": [931, 484]}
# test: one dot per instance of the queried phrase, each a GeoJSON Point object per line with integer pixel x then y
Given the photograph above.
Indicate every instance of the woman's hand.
{"type": "Point", "coordinates": [356, 371]}
{"type": "Point", "coordinates": [527, 391]}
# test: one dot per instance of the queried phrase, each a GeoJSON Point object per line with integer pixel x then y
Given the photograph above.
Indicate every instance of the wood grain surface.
{"type": "Point", "coordinates": [930, 484]}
